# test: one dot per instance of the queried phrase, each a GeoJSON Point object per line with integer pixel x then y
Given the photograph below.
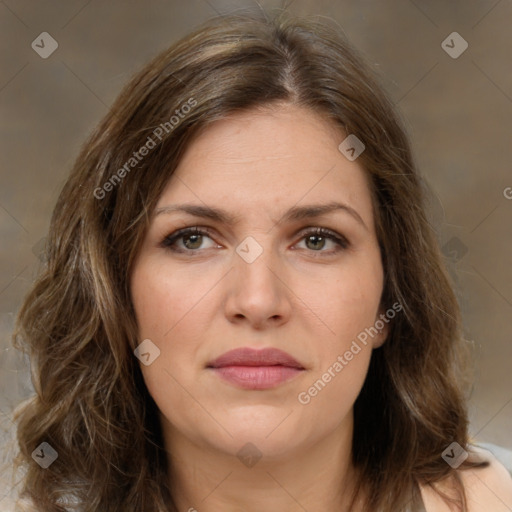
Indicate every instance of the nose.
{"type": "Point", "coordinates": [257, 292]}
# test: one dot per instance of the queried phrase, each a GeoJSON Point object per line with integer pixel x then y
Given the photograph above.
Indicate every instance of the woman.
{"type": "Point", "coordinates": [244, 306]}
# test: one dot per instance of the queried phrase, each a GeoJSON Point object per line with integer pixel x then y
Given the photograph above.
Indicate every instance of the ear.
{"type": "Point", "coordinates": [381, 324]}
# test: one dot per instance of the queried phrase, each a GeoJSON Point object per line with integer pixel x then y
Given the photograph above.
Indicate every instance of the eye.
{"type": "Point", "coordinates": [316, 240]}
{"type": "Point", "coordinates": [191, 238]}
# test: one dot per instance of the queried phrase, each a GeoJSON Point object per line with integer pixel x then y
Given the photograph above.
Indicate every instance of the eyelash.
{"type": "Point", "coordinates": [170, 240]}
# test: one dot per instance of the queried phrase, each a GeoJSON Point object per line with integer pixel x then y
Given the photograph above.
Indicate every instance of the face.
{"type": "Point", "coordinates": [260, 276]}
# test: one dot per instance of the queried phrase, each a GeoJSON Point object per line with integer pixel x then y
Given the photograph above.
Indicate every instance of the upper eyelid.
{"type": "Point", "coordinates": [212, 231]}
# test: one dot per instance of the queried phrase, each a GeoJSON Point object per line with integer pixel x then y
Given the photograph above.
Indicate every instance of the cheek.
{"type": "Point", "coordinates": [164, 298]}
{"type": "Point", "coordinates": [172, 311]}
{"type": "Point", "coordinates": [349, 305]}
{"type": "Point", "coordinates": [346, 301]}
{"type": "Point", "coordinates": [351, 308]}
{"type": "Point", "coordinates": [331, 393]}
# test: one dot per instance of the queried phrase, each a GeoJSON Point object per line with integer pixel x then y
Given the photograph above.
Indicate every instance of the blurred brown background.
{"type": "Point", "coordinates": [458, 112]}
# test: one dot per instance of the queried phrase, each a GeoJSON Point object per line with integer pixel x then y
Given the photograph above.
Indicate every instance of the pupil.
{"type": "Point", "coordinates": [316, 239]}
{"type": "Point", "coordinates": [197, 239]}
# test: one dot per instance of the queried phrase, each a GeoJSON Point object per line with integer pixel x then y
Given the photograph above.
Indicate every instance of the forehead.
{"type": "Point", "coordinates": [269, 160]}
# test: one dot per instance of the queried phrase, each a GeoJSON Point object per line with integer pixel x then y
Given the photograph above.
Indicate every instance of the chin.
{"type": "Point", "coordinates": [266, 435]}
{"type": "Point", "coordinates": [271, 449]}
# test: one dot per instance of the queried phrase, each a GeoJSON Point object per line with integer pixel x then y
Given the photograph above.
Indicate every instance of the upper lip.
{"type": "Point", "coordinates": [252, 357]}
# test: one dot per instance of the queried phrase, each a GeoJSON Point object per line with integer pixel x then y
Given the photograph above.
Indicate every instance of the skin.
{"type": "Point", "coordinates": [310, 300]}
{"type": "Point", "coordinates": [486, 489]}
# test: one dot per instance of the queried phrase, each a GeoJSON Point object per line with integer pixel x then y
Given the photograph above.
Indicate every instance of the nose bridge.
{"type": "Point", "coordinates": [256, 290]}
{"type": "Point", "coordinates": [255, 260]}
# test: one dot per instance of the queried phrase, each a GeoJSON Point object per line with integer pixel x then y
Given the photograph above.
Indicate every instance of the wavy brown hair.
{"type": "Point", "coordinates": [78, 324]}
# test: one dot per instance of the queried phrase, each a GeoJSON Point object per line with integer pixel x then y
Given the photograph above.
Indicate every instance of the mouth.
{"type": "Point", "coordinates": [248, 368]}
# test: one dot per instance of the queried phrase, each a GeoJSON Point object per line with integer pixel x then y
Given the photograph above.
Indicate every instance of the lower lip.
{"type": "Point", "coordinates": [257, 377]}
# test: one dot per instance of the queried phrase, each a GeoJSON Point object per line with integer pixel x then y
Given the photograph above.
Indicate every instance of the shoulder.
{"type": "Point", "coordinates": [488, 488]}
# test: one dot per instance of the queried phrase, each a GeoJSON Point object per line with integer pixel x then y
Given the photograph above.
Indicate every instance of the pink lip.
{"type": "Point", "coordinates": [256, 369]}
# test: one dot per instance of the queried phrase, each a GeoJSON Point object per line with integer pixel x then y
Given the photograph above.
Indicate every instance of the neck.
{"type": "Point", "coordinates": [319, 476]}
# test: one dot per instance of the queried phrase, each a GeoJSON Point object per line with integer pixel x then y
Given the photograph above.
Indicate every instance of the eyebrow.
{"type": "Point", "coordinates": [295, 213]}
